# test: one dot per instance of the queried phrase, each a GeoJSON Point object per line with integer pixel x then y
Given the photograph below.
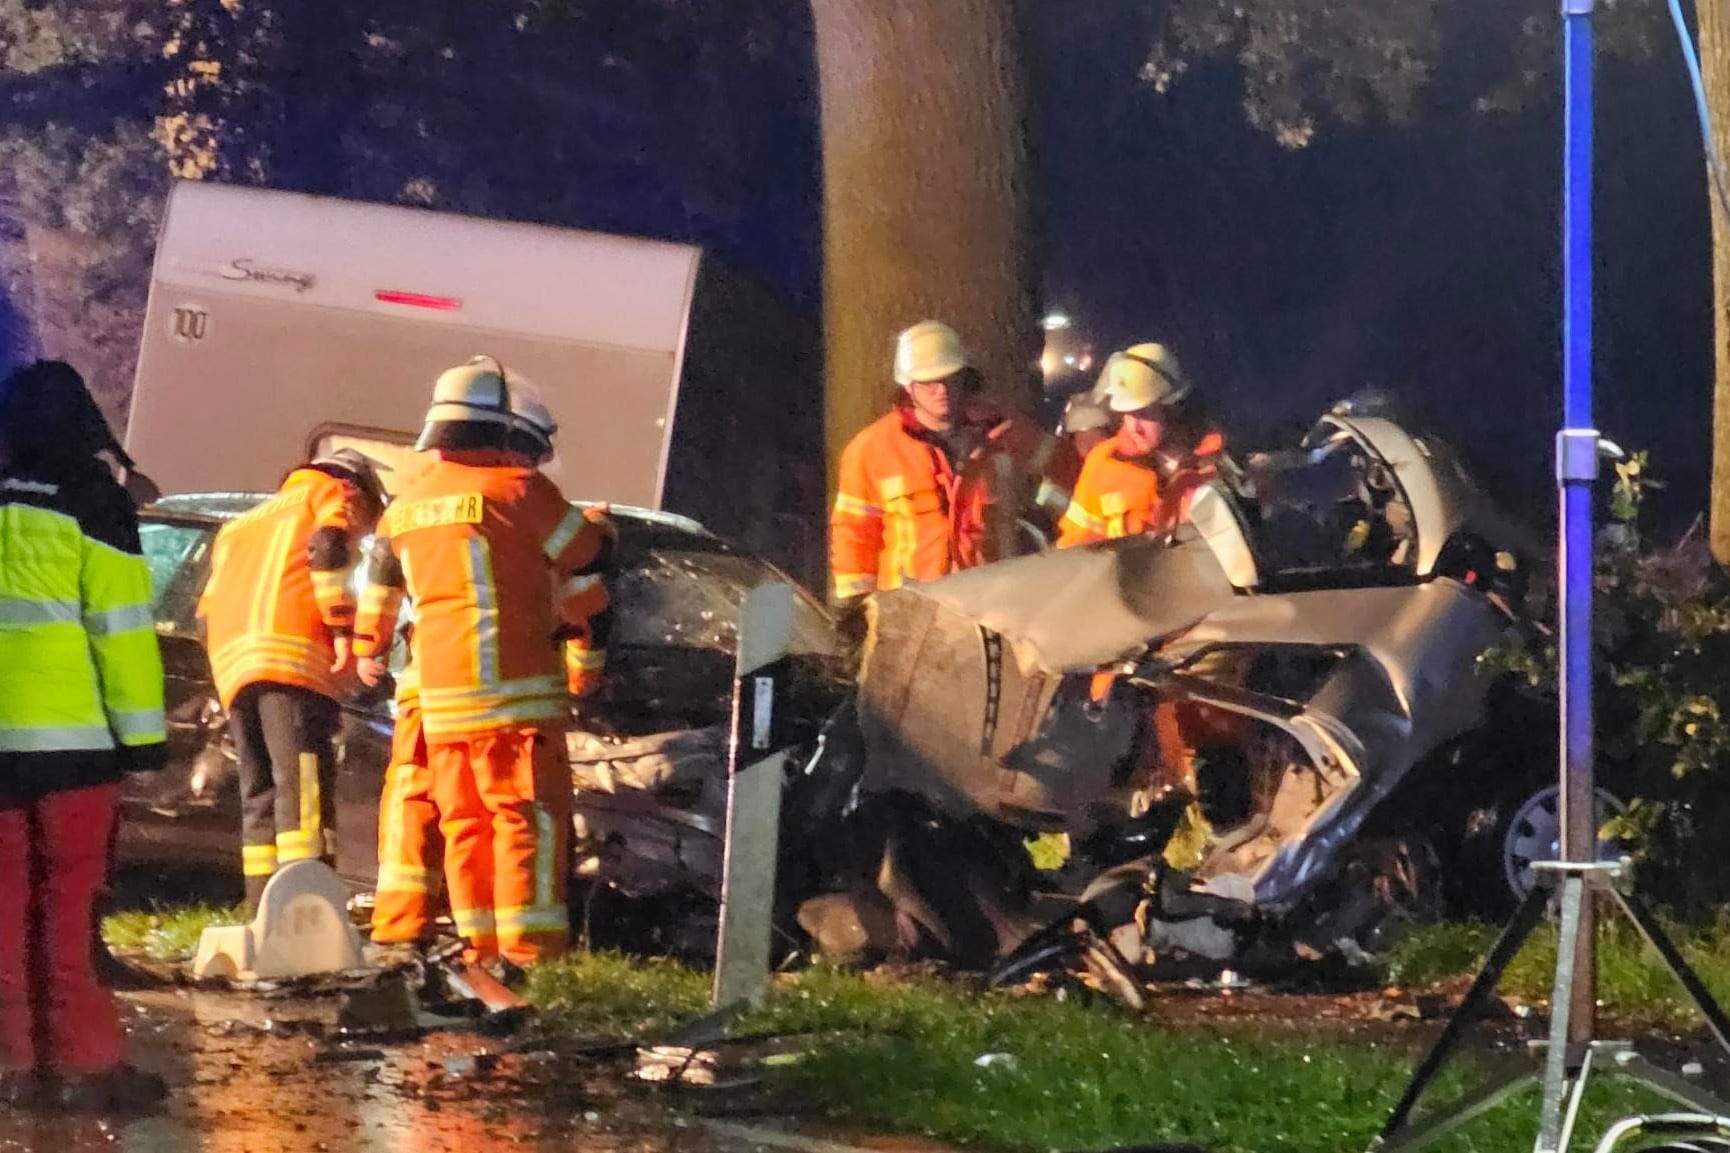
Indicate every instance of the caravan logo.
{"type": "Point", "coordinates": [245, 268]}
{"type": "Point", "coordinates": [189, 324]}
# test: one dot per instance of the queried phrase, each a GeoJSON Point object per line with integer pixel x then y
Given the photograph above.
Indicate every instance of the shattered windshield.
{"type": "Point", "coordinates": [178, 556]}
{"type": "Point", "coordinates": [665, 596]}
{"type": "Point", "coordinates": [690, 598]}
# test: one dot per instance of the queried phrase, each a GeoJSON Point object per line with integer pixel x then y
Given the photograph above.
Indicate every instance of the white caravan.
{"type": "Point", "coordinates": [280, 323]}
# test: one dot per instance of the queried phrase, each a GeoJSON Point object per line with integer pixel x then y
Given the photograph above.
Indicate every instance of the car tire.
{"type": "Point", "coordinates": [1502, 839]}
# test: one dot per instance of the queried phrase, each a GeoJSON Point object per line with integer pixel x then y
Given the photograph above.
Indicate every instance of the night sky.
{"type": "Point", "coordinates": [1420, 259]}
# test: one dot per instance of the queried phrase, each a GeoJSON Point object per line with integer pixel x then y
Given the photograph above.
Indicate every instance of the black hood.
{"type": "Point", "coordinates": [48, 417]}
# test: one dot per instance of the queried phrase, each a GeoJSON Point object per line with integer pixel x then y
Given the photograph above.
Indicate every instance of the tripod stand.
{"type": "Point", "coordinates": [1572, 1052]}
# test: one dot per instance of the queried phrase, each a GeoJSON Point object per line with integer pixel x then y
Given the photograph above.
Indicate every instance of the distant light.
{"type": "Point", "coordinates": [1070, 361]}
{"type": "Point", "coordinates": [1048, 364]}
{"type": "Point", "coordinates": [1086, 362]}
{"type": "Point", "coordinates": [1056, 322]}
{"type": "Point", "coordinates": [418, 300]}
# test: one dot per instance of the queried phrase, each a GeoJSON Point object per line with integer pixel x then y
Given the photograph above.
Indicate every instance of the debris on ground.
{"type": "Point", "coordinates": [727, 1066]}
{"type": "Point", "coordinates": [470, 1065]}
{"type": "Point", "coordinates": [1397, 1004]}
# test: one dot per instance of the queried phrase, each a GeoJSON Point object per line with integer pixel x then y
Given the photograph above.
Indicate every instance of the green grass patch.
{"type": "Point", "coordinates": [903, 1056]}
{"type": "Point", "coordinates": [166, 933]}
{"type": "Point", "coordinates": [1632, 980]}
{"type": "Point", "coordinates": [610, 994]}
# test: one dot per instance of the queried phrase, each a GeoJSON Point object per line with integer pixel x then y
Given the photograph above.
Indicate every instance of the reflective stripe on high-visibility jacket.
{"type": "Point", "coordinates": [584, 598]}
{"type": "Point", "coordinates": [279, 589]}
{"type": "Point", "coordinates": [492, 557]}
{"type": "Point", "coordinates": [1052, 497]}
{"type": "Point", "coordinates": [904, 510]}
{"type": "Point", "coordinates": [77, 634]}
{"type": "Point", "coordinates": [1116, 495]}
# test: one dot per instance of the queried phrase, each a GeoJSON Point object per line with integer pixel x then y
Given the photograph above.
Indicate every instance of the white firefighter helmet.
{"type": "Point", "coordinates": [1084, 412]}
{"type": "Point", "coordinates": [532, 423]}
{"type": "Point", "coordinates": [1142, 376]}
{"type": "Point", "coordinates": [930, 350]}
{"type": "Point", "coordinates": [358, 469]}
{"type": "Point", "coordinates": [469, 394]}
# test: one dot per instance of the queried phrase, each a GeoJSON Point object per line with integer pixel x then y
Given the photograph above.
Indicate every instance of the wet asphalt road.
{"type": "Point", "coordinates": [251, 1075]}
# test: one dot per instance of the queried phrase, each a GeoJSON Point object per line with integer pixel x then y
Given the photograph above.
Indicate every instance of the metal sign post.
{"type": "Point", "coordinates": [1572, 1052]}
{"type": "Point", "coordinates": [755, 777]}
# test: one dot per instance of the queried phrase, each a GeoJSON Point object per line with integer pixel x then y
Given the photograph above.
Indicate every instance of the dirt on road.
{"type": "Point", "coordinates": [263, 1075]}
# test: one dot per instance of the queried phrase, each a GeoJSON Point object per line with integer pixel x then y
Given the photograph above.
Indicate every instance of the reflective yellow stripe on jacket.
{"type": "Point", "coordinates": [78, 637]}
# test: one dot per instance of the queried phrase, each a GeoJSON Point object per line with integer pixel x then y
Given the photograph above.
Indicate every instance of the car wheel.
{"type": "Point", "coordinates": [1503, 839]}
{"type": "Point", "coordinates": [1534, 833]}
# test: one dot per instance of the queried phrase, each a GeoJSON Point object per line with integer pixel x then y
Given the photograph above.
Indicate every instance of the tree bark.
{"type": "Point", "coordinates": [1715, 64]}
{"type": "Point", "coordinates": [927, 199]}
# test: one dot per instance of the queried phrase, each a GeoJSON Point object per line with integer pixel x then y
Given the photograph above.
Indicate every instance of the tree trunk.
{"type": "Point", "coordinates": [926, 194]}
{"type": "Point", "coordinates": [1715, 63]}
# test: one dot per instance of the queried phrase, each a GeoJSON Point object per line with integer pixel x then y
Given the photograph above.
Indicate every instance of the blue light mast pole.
{"type": "Point", "coordinates": [1573, 1047]}
{"type": "Point", "coordinates": [1576, 471]}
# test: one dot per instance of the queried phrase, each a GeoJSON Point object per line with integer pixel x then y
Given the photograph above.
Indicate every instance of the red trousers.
{"type": "Point", "coordinates": [505, 805]}
{"type": "Point", "coordinates": [410, 848]}
{"type": "Point", "coordinates": [54, 1014]}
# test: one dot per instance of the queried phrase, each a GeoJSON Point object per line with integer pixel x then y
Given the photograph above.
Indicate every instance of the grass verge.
{"type": "Point", "coordinates": [166, 933]}
{"type": "Point", "coordinates": [1632, 982]}
{"type": "Point", "coordinates": [904, 1056]}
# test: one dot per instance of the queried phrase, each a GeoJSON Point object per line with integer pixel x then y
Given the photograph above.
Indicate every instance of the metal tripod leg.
{"type": "Point", "coordinates": [1575, 1089]}
{"type": "Point", "coordinates": [1564, 1071]}
{"type": "Point", "coordinates": [1673, 960]}
{"type": "Point", "coordinates": [1679, 1089]}
{"type": "Point", "coordinates": [1513, 936]}
{"type": "Point", "coordinates": [1462, 1112]}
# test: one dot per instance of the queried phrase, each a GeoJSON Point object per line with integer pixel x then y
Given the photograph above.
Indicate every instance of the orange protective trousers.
{"type": "Point", "coordinates": [504, 800]}
{"type": "Point", "coordinates": [410, 848]}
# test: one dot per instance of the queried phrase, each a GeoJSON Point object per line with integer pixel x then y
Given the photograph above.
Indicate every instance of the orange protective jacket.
{"type": "Point", "coordinates": [1115, 495]}
{"type": "Point", "coordinates": [279, 588]}
{"type": "Point", "coordinates": [503, 572]}
{"type": "Point", "coordinates": [1122, 495]}
{"type": "Point", "coordinates": [904, 510]}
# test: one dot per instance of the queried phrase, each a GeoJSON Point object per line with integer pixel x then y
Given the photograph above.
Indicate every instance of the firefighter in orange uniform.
{"type": "Point", "coordinates": [278, 616]}
{"type": "Point", "coordinates": [918, 488]}
{"type": "Point", "coordinates": [1086, 422]}
{"type": "Point", "coordinates": [411, 848]}
{"type": "Point", "coordinates": [502, 572]}
{"type": "Point", "coordinates": [1141, 478]}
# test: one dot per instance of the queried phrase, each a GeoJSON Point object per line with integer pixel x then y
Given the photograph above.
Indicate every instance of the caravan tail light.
{"type": "Point", "coordinates": [418, 300]}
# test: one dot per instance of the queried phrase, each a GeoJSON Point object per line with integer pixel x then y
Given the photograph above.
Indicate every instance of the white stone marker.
{"type": "Point", "coordinates": [302, 929]}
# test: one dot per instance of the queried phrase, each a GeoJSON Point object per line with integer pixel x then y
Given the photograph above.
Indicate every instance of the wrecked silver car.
{"type": "Point", "coordinates": [1261, 736]}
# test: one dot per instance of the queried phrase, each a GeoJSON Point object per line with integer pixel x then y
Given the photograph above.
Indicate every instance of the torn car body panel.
{"type": "Point", "coordinates": [1316, 630]}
